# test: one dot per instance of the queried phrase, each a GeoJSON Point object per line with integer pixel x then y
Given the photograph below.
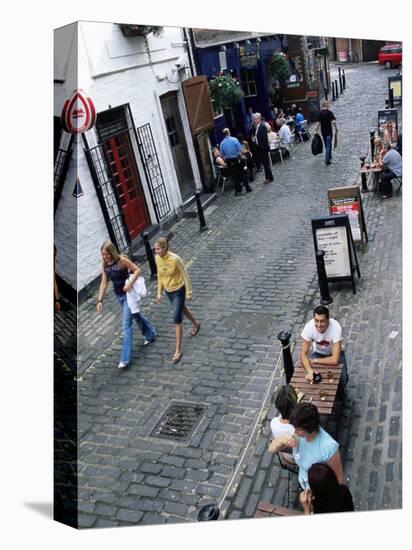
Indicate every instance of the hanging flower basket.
{"type": "Point", "coordinates": [225, 91]}
{"type": "Point", "coordinates": [139, 30]}
{"type": "Point", "coordinates": [280, 68]}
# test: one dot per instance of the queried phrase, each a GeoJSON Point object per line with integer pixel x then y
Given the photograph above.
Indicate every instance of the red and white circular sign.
{"type": "Point", "coordinates": [78, 113]}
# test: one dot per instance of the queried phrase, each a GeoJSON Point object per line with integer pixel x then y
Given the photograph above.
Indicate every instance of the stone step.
{"type": "Point", "coordinates": [190, 208]}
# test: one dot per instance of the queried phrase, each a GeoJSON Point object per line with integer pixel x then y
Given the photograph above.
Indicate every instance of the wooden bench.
{"type": "Point", "coordinates": [325, 405]}
{"type": "Point", "coordinates": [266, 510]}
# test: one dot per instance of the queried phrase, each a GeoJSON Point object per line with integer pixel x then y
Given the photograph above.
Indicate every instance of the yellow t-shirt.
{"type": "Point", "coordinates": [172, 275]}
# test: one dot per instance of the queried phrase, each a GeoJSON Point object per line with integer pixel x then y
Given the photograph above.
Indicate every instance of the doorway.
{"type": "Point", "coordinates": [178, 145]}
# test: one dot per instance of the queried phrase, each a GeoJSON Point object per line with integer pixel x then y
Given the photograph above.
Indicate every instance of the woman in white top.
{"type": "Point", "coordinates": [285, 402]}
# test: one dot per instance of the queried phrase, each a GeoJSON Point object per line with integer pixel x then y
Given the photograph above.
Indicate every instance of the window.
{"type": "Point", "coordinates": [172, 131]}
{"type": "Point", "coordinates": [248, 82]}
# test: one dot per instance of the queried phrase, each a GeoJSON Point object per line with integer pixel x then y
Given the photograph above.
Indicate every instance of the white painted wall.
{"type": "Point", "coordinates": [114, 70]}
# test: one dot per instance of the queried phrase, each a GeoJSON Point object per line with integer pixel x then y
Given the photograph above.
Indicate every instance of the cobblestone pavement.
{"type": "Point", "coordinates": [253, 274]}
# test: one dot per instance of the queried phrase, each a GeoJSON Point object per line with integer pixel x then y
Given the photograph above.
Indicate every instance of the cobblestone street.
{"type": "Point", "coordinates": [253, 274]}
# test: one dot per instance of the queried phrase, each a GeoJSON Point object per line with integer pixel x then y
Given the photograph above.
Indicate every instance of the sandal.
{"type": "Point", "coordinates": [195, 330]}
{"type": "Point", "coordinates": [176, 357]}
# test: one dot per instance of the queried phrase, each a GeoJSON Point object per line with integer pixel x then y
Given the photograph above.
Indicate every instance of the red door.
{"type": "Point", "coordinates": [127, 181]}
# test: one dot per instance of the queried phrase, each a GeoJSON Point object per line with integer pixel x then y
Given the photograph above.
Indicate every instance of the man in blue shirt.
{"type": "Point", "coordinates": [299, 119]}
{"type": "Point", "coordinates": [392, 163]}
{"type": "Point", "coordinates": [230, 149]}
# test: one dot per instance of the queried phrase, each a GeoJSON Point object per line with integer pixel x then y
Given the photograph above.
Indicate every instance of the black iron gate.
{"type": "Point", "coordinates": [153, 172]}
{"type": "Point", "coordinates": [106, 194]}
{"type": "Point", "coordinates": [61, 165]}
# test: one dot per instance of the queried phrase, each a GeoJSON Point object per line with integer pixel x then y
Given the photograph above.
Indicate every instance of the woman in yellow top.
{"type": "Point", "coordinates": [173, 278]}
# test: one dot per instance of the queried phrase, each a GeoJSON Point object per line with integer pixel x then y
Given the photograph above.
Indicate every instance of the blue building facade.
{"type": "Point", "coordinates": [249, 61]}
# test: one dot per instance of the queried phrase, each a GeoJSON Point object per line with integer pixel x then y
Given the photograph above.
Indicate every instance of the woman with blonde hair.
{"type": "Point", "coordinates": [377, 162]}
{"type": "Point", "coordinates": [116, 268]}
{"type": "Point", "coordinates": [172, 277]}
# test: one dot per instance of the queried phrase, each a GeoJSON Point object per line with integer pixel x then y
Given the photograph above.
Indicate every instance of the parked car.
{"type": "Point", "coordinates": [390, 55]}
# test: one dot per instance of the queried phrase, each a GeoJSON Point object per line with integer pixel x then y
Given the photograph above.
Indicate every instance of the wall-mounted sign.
{"type": "Point", "coordinates": [347, 200]}
{"type": "Point", "coordinates": [333, 235]}
{"type": "Point", "coordinates": [78, 113]}
{"type": "Point", "coordinates": [249, 56]}
{"type": "Point", "coordinates": [395, 84]}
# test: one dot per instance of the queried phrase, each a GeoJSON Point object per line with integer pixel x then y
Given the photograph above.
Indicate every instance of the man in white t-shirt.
{"type": "Point", "coordinates": [324, 335]}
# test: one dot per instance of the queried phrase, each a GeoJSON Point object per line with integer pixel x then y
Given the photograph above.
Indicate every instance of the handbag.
{"type": "Point", "coordinates": [317, 145]}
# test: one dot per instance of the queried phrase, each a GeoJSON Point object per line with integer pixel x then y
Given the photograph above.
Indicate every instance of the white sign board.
{"type": "Point", "coordinates": [334, 241]}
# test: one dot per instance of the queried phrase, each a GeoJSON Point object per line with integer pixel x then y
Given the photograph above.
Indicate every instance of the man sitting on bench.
{"type": "Point", "coordinates": [392, 162]}
{"type": "Point", "coordinates": [324, 335]}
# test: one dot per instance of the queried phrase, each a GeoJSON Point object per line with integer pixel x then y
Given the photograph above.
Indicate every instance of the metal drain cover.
{"type": "Point", "coordinates": [179, 421]}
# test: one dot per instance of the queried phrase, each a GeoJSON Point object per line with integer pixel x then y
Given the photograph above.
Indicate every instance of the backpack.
{"type": "Point", "coordinates": [317, 145]}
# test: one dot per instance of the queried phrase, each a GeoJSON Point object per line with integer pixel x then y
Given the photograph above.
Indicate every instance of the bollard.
{"type": "Point", "coordinates": [344, 79]}
{"type": "Point", "coordinates": [208, 512]}
{"type": "Point", "coordinates": [340, 85]}
{"type": "Point", "coordinates": [284, 337]}
{"type": "Point", "coordinates": [372, 142]}
{"type": "Point", "coordinates": [203, 226]}
{"type": "Point", "coordinates": [333, 91]}
{"type": "Point", "coordinates": [336, 89]}
{"type": "Point", "coordinates": [340, 71]}
{"type": "Point", "coordinates": [390, 98]}
{"type": "Point", "coordinates": [150, 256]}
{"type": "Point", "coordinates": [326, 93]}
{"type": "Point", "coordinates": [323, 280]}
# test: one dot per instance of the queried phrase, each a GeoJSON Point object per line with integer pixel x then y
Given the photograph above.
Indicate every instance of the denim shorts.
{"type": "Point", "coordinates": [177, 299]}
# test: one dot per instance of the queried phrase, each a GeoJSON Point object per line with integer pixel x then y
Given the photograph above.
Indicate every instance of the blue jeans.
{"type": "Point", "coordinates": [126, 352]}
{"type": "Point", "coordinates": [146, 327]}
{"type": "Point", "coordinates": [327, 140]}
{"type": "Point", "coordinates": [177, 299]}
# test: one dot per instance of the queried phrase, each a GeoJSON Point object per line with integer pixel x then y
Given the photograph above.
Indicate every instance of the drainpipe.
{"type": "Point", "coordinates": [350, 50]}
{"type": "Point", "coordinates": [189, 50]}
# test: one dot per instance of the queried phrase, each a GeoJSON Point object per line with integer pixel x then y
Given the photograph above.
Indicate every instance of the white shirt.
{"type": "Point", "coordinates": [279, 429]}
{"type": "Point", "coordinates": [135, 294]}
{"type": "Point", "coordinates": [322, 342]}
{"type": "Point", "coordinates": [285, 135]}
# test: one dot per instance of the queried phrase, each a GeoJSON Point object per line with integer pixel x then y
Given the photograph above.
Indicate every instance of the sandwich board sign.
{"type": "Point", "coordinates": [395, 84]}
{"type": "Point", "coordinates": [348, 200]}
{"type": "Point", "coordinates": [333, 235]}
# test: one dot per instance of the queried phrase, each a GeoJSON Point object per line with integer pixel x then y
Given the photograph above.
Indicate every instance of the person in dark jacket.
{"type": "Point", "coordinates": [326, 495]}
{"type": "Point", "coordinates": [326, 121]}
{"type": "Point", "coordinates": [261, 140]}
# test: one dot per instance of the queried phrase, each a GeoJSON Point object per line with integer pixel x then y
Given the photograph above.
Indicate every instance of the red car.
{"type": "Point", "coordinates": [390, 55]}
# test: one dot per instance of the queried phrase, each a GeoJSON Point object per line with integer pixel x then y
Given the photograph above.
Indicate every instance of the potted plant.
{"type": "Point", "coordinates": [139, 30]}
{"type": "Point", "coordinates": [280, 68]}
{"type": "Point", "coordinates": [225, 91]}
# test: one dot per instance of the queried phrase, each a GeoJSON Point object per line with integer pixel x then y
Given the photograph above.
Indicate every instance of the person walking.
{"type": "Point", "coordinates": [172, 277]}
{"type": "Point", "coordinates": [261, 139]}
{"type": "Point", "coordinates": [326, 121]}
{"type": "Point", "coordinates": [116, 268]}
{"type": "Point", "coordinates": [231, 149]}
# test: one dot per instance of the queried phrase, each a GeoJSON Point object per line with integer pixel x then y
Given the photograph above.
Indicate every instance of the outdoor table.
{"type": "Point", "coordinates": [266, 510]}
{"type": "Point", "coordinates": [370, 170]}
{"type": "Point", "coordinates": [312, 391]}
